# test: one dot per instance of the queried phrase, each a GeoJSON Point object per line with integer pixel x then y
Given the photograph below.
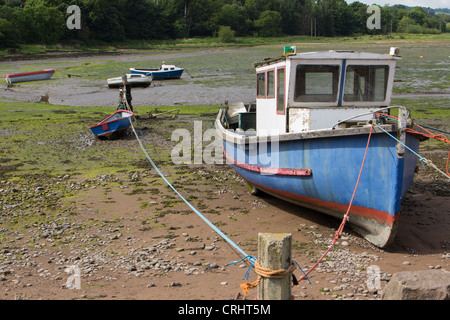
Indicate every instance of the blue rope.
{"type": "Point", "coordinates": [187, 202]}
{"type": "Point", "coordinates": [302, 271]}
{"type": "Point", "coordinates": [418, 155]}
{"type": "Point", "coordinates": [252, 259]}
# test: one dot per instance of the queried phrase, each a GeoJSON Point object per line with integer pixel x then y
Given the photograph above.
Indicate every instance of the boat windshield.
{"type": "Point", "coordinates": [316, 83]}
{"type": "Point", "coordinates": [366, 83]}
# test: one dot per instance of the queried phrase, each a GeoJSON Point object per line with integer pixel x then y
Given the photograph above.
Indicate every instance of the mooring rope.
{"type": "Point", "coordinates": [421, 159]}
{"type": "Point", "coordinates": [187, 202]}
{"type": "Point", "coordinates": [428, 134]}
{"type": "Point", "coordinates": [262, 272]}
{"type": "Point", "coordinates": [344, 220]}
{"type": "Point", "coordinates": [267, 273]}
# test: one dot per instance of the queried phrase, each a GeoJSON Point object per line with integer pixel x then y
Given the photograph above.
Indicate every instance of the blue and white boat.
{"type": "Point", "coordinates": [305, 139]}
{"type": "Point", "coordinates": [113, 125]}
{"type": "Point", "coordinates": [164, 72]}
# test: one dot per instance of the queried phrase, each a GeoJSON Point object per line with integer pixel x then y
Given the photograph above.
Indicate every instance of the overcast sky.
{"type": "Point", "coordinates": [410, 3]}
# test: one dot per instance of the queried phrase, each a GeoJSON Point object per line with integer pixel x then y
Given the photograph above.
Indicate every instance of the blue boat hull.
{"type": "Point", "coordinates": [321, 174]}
{"type": "Point", "coordinates": [159, 75]}
{"type": "Point", "coordinates": [115, 123]}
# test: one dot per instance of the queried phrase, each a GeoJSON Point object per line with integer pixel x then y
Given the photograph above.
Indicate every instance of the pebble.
{"type": "Point", "coordinates": [406, 263]}
{"type": "Point", "coordinates": [175, 284]}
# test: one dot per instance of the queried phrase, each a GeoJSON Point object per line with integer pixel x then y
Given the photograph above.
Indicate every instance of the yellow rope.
{"type": "Point", "coordinates": [267, 273]}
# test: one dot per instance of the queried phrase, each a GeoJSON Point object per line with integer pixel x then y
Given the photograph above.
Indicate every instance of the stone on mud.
{"type": "Point", "coordinates": [418, 285]}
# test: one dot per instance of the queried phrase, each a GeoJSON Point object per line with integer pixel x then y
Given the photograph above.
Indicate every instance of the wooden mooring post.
{"type": "Point", "coordinates": [275, 252]}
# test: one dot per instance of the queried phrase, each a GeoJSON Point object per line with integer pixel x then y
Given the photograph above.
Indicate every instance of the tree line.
{"type": "Point", "coordinates": [44, 21]}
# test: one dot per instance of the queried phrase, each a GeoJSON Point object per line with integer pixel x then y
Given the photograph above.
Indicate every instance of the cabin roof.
{"type": "Point", "coordinates": [327, 55]}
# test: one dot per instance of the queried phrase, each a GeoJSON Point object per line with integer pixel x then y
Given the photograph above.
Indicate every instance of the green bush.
{"type": "Point", "coordinates": [226, 34]}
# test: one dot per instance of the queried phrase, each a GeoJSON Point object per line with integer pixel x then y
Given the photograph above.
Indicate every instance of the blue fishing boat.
{"type": "Point", "coordinates": [305, 139]}
{"type": "Point", "coordinates": [164, 72]}
{"type": "Point", "coordinates": [113, 125]}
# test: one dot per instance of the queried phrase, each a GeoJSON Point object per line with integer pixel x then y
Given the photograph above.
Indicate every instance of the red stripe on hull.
{"type": "Point", "coordinates": [28, 73]}
{"type": "Point", "coordinates": [268, 170]}
{"type": "Point", "coordinates": [377, 215]}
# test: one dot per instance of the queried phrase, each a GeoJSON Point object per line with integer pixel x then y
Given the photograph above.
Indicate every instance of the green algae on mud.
{"type": "Point", "coordinates": [40, 138]}
{"type": "Point", "coordinates": [44, 138]}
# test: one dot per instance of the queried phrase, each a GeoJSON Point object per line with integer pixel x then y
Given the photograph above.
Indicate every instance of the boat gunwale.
{"type": "Point", "coordinates": [32, 73]}
{"type": "Point", "coordinates": [313, 134]}
{"type": "Point", "coordinates": [105, 121]}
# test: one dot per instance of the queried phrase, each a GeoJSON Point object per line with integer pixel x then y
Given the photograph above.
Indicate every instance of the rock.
{"type": "Point", "coordinates": [43, 99]}
{"type": "Point", "coordinates": [175, 284]}
{"type": "Point", "coordinates": [418, 285]}
{"type": "Point", "coordinates": [211, 265]}
{"type": "Point", "coordinates": [135, 176]}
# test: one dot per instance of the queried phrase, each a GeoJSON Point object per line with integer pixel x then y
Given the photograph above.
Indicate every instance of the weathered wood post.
{"type": "Point", "coordinates": [275, 252]}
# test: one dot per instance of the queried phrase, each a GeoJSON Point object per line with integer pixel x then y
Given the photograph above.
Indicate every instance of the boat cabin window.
{"type": "Point", "coordinates": [316, 83]}
{"type": "Point", "coordinates": [261, 84]}
{"type": "Point", "coordinates": [366, 83]}
{"type": "Point", "coordinates": [280, 90]}
{"type": "Point", "coordinates": [270, 84]}
{"type": "Point", "coordinates": [265, 86]}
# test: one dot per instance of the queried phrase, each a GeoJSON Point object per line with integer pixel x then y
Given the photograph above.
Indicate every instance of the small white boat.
{"type": "Point", "coordinates": [29, 76]}
{"type": "Point", "coordinates": [135, 80]}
